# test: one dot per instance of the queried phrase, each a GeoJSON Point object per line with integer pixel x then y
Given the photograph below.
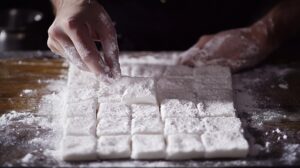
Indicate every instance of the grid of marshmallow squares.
{"type": "Point", "coordinates": [152, 112]}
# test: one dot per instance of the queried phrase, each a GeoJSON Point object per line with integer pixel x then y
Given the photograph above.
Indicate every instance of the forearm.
{"type": "Point", "coordinates": [281, 23]}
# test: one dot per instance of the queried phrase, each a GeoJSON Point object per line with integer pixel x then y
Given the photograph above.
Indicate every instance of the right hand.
{"type": "Point", "coordinates": [72, 34]}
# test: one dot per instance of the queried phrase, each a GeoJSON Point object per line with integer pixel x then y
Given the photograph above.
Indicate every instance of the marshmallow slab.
{"type": "Point", "coordinates": [113, 126]}
{"type": "Point", "coordinates": [114, 147]}
{"type": "Point", "coordinates": [112, 110]}
{"type": "Point", "coordinates": [83, 108]}
{"type": "Point", "coordinates": [148, 147]}
{"type": "Point", "coordinates": [81, 126]}
{"type": "Point", "coordinates": [178, 108]}
{"type": "Point", "coordinates": [184, 146]}
{"type": "Point", "coordinates": [79, 148]}
{"type": "Point", "coordinates": [140, 91]}
{"type": "Point", "coordinates": [146, 125]}
{"type": "Point", "coordinates": [175, 84]}
{"type": "Point", "coordinates": [212, 70]}
{"type": "Point", "coordinates": [147, 70]}
{"type": "Point", "coordinates": [183, 125]}
{"type": "Point", "coordinates": [224, 145]}
{"type": "Point", "coordinates": [179, 71]}
{"type": "Point", "coordinates": [145, 110]}
{"type": "Point", "coordinates": [213, 124]}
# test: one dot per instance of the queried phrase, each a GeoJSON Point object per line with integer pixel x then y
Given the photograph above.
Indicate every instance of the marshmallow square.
{"type": "Point", "coordinates": [79, 148]}
{"type": "Point", "coordinates": [140, 91]}
{"type": "Point", "coordinates": [83, 108]}
{"type": "Point", "coordinates": [78, 78]}
{"type": "Point", "coordinates": [179, 71]}
{"type": "Point", "coordinates": [224, 144]}
{"type": "Point", "coordinates": [113, 126]}
{"type": "Point", "coordinates": [114, 147]}
{"type": "Point", "coordinates": [78, 94]}
{"type": "Point", "coordinates": [183, 125]}
{"type": "Point", "coordinates": [224, 124]}
{"type": "Point", "coordinates": [113, 110]}
{"type": "Point", "coordinates": [218, 109]}
{"type": "Point", "coordinates": [146, 125]}
{"type": "Point", "coordinates": [81, 126]}
{"type": "Point", "coordinates": [184, 146]}
{"type": "Point", "coordinates": [178, 108]}
{"type": "Point", "coordinates": [145, 110]}
{"type": "Point", "coordinates": [148, 147]}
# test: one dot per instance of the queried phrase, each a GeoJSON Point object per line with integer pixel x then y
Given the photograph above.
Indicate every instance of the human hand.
{"type": "Point", "coordinates": [72, 34]}
{"type": "Point", "coordinates": [237, 48]}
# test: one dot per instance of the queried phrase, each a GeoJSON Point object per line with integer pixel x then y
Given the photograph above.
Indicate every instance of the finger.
{"type": "Point", "coordinates": [109, 43]}
{"type": "Point", "coordinates": [54, 47]}
{"type": "Point", "coordinates": [86, 47]}
{"type": "Point", "coordinates": [69, 51]}
{"type": "Point", "coordinates": [111, 56]}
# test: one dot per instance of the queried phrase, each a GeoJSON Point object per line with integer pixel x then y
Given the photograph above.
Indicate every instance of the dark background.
{"type": "Point", "coordinates": [155, 24]}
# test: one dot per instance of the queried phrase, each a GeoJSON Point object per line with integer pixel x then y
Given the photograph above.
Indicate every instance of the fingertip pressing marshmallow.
{"type": "Point", "coordinates": [79, 148]}
{"type": "Point", "coordinates": [113, 126]}
{"type": "Point", "coordinates": [179, 71]}
{"type": "Point", "coordinates": [146, 125]}
{"type": "Point", "coordinates": [224, 144]}
{"type": "Point", "coordinates": [184, 146]}
{"type": "Point", "coordinates": [140, 91]}
{"type": "Point", "coordinates": [224, 124]}
{"type": "Point", "coordinates": [145, 110]}
{"type": "Point", "coordinates": [113, 110]}
{"type": "Point", "coordinates": [148, 147]}
{"type": "Point", "coordinates": [178, 108]}
{"type": "Point", "coordinates": [183, 125]}
{"type": "Point", "coordinates": [114, 147]}
{"type": "Point", "coordinates": [81, 126]}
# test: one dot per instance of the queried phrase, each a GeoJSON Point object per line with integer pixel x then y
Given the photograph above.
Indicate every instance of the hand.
{"type": "Point", "coordinates": [72, 34]}
{"type": "Point", "coordinates": [237, 48]}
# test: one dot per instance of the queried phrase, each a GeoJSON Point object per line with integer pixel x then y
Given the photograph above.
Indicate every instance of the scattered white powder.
{"type": "Point", "coordinates": [283, 86]}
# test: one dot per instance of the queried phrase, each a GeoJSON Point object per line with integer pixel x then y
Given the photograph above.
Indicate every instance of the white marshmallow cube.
{"type": "Point", "coordinates": [213, 124]}
{"type": "Point", "coordinates": [79, 148]}
{"type": "Point", "coordinates": [184, 146]}
{"type": "Point", "coordinates": [148, 147]}
{"type": "Point", "coordinates": [145, 110]}
{"type": "Point", "coordinates": [146, 125]}
{"type": "Point", "coordinates": [114, 147]}
{"type": "Point", "coordinates": [81, 126]}
{"type": "Point", "coordinates": [82, 108]}
{"type": "Point", "coordinates": [140, 91]}
{"type": "Point", "coordinates": [183, 125]}
{"type": "Point", "coordinates": [147, 70]}
{"type": "Point", "coordinates": [113, 126]}
{"type": "Point", "coordinates": [224, 144]}
{"type": "Point", "coordinates": [178, 108]}
{"type": "Point", "coordinates": [113, 110]}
